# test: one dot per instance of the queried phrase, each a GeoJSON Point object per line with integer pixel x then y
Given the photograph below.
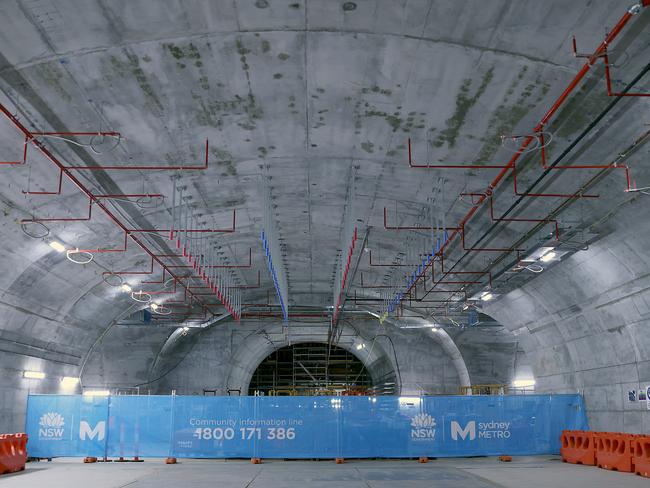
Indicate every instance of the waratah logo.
{"type": "Point", "coordinates": [52, 419]}
{"type": "Point", "coordinates": [423, 421]}
{"type": "Point", "coordinates": [51, 426]}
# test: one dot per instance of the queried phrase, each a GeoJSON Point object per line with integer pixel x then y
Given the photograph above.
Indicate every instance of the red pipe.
{"type": "Point", "coordinates": [82, 219]}
{"type": "Point", "coordinates": [538, 128]}
{"type": "Point", "coordinates": [81, 186]}
{"type": "Point", "coordinates": [479, 249]}
{"type": "Point", "coordinates": [24, 156]}
{"type": "Point", "coordinates": [387, 227]}
{"type": "Point", "coordinates": [258, 285]}
{"type": "Point", "coordinates": [156, 166]}
{"type": "Point", "coordinates": [445, 273]}
{"type": "Point", "coordinates": [608, 81]}
{"type": "Point", "coordinates": [386, 265]}
{"type": "Point", "coordinates": [337, 311]}
{"type": "Point", "coordinates": [98, 133]}
{"type": "Point", "coordinates": [501, 219]}
{"type": "Point", "coordinates": [249, 265]}
{"type": "Point", "coordinates": [130, 195]}
{"type": "Point", "coordinates": [193, 231]}
{"type": "Point", "coordinates": [628, 178]}
{"type": "Point", "coordinates": [120, 249]}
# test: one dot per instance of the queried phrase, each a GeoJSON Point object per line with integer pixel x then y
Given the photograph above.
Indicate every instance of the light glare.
{"type": "Point", "coordinates": [57, 246]}
{"type": "Point", "coordinates": [33, 375]}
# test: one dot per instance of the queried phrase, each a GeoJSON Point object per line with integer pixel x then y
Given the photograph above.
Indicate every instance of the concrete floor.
{"type": "Point", "coordinates": [529, 472]}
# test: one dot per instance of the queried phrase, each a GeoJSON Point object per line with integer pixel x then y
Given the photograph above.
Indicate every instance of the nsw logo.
{"type": "Point", "coordinates": [423, 427]}
{"type": "Point", "coordinates": [51, 426]}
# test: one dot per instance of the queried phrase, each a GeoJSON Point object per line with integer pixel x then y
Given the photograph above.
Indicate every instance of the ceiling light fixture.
{"type": "Point", "coordinates": [487, 296]}
{"type": "Point", "coordinates": [549, 256]}
{"type": "Point", "coordinates": [33, 375]}
{"type": "Point", "coordinates": [97, 393]}
{"type": "Point", "coordinates": [57, 246]}
{"type": "Point", "coordinates": [69, 381]}
{"type": "Point", "coordinates": [524, 383]}
{"type": "Point", "coordinates": [126, 287]}
{"type": "Point", "coordinates": [360, 346]}
{"type": "Point", "coordinates": [538, 254]}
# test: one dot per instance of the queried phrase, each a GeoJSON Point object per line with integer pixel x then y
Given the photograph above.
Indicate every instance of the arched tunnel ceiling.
{"type": "Point", "coordinates": [311, 90]}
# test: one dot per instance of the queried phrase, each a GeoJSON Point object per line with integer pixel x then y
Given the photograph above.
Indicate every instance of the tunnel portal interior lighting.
{"type": "Point", "coordinates": [523, 383]}
{"type": "Point", "coordinates": [33, 375]}
{"type": "Point", "coordinates": [57, 246]}
{"type": "Point", "coordinates": [549, 256]}
{"type": "Point", "coordinates": [538, 254]}
{"type": "Point", "coordinates": [97, 393]}
{"type": "Point", "coordinates": [69, 381]}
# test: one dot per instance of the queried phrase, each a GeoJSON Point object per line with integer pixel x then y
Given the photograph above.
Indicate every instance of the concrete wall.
{"type": "Point", "coordinates": [226, 356]}
{"type": "Point", "coordinates": [584, 323]}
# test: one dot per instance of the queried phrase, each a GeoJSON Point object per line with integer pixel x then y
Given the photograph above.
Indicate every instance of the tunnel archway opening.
{"type": "Point", "coordinates": [314, 369]}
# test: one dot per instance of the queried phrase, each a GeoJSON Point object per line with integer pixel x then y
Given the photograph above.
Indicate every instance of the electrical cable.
{"type": "Point", "coordinates": [557, 160]}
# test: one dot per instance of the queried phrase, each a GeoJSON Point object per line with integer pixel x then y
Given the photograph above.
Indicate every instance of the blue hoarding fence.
{"type": "Point", "coordinates": [299, 427]}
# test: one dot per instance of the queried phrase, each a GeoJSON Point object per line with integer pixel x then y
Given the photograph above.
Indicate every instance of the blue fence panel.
{"type": "Point", "coordinates": [208, 427]}
{"type": "Point", "coordinates": [297, 427]}
{"type": "Point", "coordinates": [139, 426]}
{"type": "Point", "coordinates": [66, 425]}
{"type": "Point", "coordinates": [300, 427]}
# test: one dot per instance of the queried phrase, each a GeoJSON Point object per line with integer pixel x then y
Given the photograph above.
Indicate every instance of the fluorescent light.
{"type": "Point", "coordinates": [126, 287]}
{"type": "Point", "coordinates": [360, 346]}
{"type": "Point", "coordinates": [524, 383]}
{"type": "Point", "coordinates": [487, 296]}
{"type": "Point", "coordinates": [57, 246]}
{"type": "Point", "coordinates": [538, 254]}
{"type": "Point", "coordinates": [549, 256]}
{"type": "Point", "coordinates": [33, 375]}
{"type": "Point", "coordinates": [69, 381]}
{"type": "Point", "coordinates": [97, 393]}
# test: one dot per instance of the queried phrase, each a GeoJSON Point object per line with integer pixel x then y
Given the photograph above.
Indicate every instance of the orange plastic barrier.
{"type": "Point", "coordinates": [641, 456]}
{"type": "Point", "coordinates": [614, 451]}
{"type": "Point", "coordinates": [13, 452]}
{"type": "Point", "coordinates": [578, 447]}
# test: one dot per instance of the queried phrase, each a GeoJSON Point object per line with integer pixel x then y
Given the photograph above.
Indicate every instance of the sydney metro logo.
{"type": "Point", "coordinates": [423, 427]}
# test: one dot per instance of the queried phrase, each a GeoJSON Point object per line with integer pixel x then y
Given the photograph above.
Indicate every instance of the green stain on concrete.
{"type": "Point", "coordinates": [241, 49]}
{"type": "Point", "coordinates": [224, 161]}
{"type": "Point", "coordinates": [580, 109]}
{"type": "Point", "coordinates": [283, 56]}
{"type": "Point", "coordinates": [175, 51]}
{"type": "Point", "coordinates": [132, 66]}
{"type": "Point", "coordinates": [52, 75]}
{"type": "Point", "coordinates": [368, 147]}
{"type": "Point", "coordinates": [464, 102]}
{"type": "Point", "coordinates": [266, 46]}
{"type": "Point", "coordinates": [377, 89]}
{"type": "Point", "coordinates": [506, 117]}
